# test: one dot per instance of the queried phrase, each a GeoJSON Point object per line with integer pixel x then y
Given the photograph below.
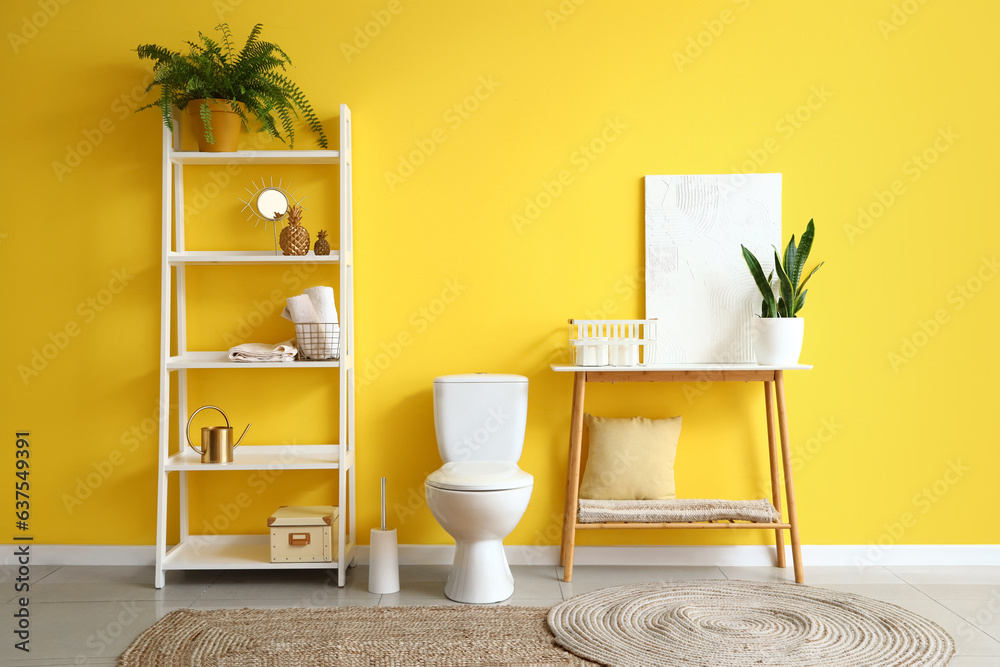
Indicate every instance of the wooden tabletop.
{"type": "Point", "coordinates": [658, 368]}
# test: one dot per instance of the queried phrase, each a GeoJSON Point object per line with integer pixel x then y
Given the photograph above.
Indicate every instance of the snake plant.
{"type": "Point", "coordinates": [791, 293]}
{"type": "Point", "coordinates": [214, 69]}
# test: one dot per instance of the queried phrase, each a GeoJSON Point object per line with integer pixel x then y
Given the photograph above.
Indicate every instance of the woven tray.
{"type": "Point", "coordinates": [676, 511]}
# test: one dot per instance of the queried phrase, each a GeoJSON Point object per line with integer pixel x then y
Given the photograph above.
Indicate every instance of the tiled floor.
{"type": "Point", "coordinates": [89, 615]}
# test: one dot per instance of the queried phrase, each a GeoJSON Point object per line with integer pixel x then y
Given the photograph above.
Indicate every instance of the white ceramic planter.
{"type": "Point", "coordinates": [777, 341]}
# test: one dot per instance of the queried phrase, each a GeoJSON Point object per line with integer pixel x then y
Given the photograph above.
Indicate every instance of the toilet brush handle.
{"type": "Point", "coordinates": [383, 503]}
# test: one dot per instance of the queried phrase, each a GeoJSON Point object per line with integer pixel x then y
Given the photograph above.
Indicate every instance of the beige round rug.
{"type": "Point", "coordinates": [736, 623]}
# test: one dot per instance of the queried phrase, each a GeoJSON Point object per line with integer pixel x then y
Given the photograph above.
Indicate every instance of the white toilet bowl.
{"type": "Point", "coordinates": [479, 494]}
{"type": "Point", "coordinates": [478, 521]}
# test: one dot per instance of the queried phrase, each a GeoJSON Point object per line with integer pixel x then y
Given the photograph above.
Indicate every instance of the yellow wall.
{"type": "Point", "coordinates": [842, 98]}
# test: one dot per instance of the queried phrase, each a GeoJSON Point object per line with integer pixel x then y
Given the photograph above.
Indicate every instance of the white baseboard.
{"type": "Point", "coordinates": [722, 556]}
{"type": "Point", "coordinates": [956, 555]}
{"type": "Point", "coordinates": [81, 554]}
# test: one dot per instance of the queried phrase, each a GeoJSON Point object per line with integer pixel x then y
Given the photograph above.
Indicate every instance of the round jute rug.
{"type": "Point", "coordinates": [736, 623]}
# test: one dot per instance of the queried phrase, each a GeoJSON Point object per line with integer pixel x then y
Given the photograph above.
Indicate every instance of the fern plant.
{"type": "Point", "coordinates": [215, 69]}
{"type": "Point", "coordinates": [791, 293]}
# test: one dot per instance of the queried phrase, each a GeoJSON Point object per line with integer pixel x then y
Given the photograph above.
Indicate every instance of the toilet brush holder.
{"type": "Point", "coordinates": [383, 557]}
{"type": "Point", "coordinates": [383, 567]}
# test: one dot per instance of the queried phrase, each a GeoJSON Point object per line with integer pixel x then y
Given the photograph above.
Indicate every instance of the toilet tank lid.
{"type": "Point", "coordinates": [482, 377]}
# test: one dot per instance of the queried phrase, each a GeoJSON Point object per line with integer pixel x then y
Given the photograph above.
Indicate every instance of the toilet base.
{"type": "Point", "coordinates": [480, 573]}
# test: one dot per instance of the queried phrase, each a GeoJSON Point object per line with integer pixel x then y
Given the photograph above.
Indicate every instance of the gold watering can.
{"type": "Point", "coordinates": [216, 441]}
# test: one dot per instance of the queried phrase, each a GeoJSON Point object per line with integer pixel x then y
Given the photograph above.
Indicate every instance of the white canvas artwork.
{"type": "Point", "coordinates": [698, 286]}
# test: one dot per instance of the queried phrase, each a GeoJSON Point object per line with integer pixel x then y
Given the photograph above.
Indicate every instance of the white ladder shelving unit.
{"type": "Point", "coordinates": [206, 552]}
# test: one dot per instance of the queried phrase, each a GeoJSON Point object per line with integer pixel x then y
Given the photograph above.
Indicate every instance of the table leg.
{"type": "Point", "coordinates": [786, 459]}
{"type": "Point", "coordinates": [573, 477]}
{"type": "Point", "coordinates": [772, 451]}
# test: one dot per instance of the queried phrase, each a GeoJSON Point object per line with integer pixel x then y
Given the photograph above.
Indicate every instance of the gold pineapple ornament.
{"type": "Point", "coordinates": [294, 239]}
{"type": "Point", "coordinates": [322, 246]}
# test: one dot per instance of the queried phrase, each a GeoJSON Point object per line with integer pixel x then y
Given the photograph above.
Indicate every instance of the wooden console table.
{"type": "Point", "coordinates": [774, 384]}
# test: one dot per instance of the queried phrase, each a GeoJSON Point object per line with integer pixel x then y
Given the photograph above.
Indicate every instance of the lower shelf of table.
{"type": "Point", "coordinates": [719, 525]}
{"type": "Point", "coordinates": [236, 552]}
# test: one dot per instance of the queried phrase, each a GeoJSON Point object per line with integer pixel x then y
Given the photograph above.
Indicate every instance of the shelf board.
{"type": "Point", "coordinates": [718, 525]}
{"type": "Point", "coordinates": [262, 457]}
{"type": "Point", "coordinates": [655, 368]}
{"type": "Point", "coordinates": [248, 257]}
{"type": "Point", "coordinates": [220, 359]}
{"type": "Point", "coordinates": [235, 552]}
{"type": "Point", "coordinates": [259, 157]}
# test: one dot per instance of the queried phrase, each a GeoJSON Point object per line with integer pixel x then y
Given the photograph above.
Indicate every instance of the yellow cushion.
{"type": "Point", "coordinates": [630, 459]}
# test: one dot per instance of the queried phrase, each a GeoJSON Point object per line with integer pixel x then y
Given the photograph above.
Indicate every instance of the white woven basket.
{"type": "Point", "coordinates": [612, 342]}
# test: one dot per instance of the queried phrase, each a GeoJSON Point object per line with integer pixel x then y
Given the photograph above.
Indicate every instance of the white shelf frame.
{"type": "Point", "coordinates": [220, 359]}
{"type": "Point", "coordinates": [259, 457]}
{"type": "Point", "coordinates": [199, 552]}
{"type": "Point", "coordinates": [177, 156]}
{"type": "Point", "coordinates": [231, 552]}
{"type": "Point", "coordinates": [235, 257]}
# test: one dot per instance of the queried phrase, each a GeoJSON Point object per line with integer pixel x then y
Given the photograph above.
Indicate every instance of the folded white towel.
{"type": "Point", "coordinates": [300, 310]}
{"type": "Point", "coordinates": [324, 302]}
{"type": "Point", "coordinates": [266, 352]}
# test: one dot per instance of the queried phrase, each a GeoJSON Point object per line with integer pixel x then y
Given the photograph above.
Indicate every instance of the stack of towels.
{"type": "Point", "coordinates": [285, 351]}
{"type": "Point", "coordinates": [317, 306]}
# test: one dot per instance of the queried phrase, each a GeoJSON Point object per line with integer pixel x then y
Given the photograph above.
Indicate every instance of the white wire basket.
{"type": "Point", "coordinates": [612, 342]}
{"type": "Point", "coordinates": [318, 341]}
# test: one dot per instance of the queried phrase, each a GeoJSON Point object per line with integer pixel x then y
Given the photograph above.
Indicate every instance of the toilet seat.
{"type": "Point", "coordinates": [479, 476]}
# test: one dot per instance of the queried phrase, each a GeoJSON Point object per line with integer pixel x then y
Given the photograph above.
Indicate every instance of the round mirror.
{"type": "Point", "coordinates": [272, 203]}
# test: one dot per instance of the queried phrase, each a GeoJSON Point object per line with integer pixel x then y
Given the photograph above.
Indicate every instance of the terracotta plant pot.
{"type": "Point", "coordinates": [226, 124]}
{"type": "Point", "coordinates": [777, 341]}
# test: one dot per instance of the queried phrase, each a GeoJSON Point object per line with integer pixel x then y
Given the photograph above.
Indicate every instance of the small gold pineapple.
{"type": "Point", "coordinates": [294, 239]}
{"type": "Point", "coordinates": [322, 246]}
